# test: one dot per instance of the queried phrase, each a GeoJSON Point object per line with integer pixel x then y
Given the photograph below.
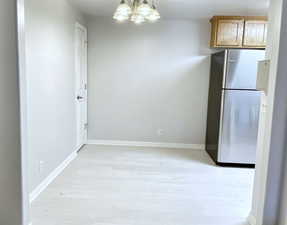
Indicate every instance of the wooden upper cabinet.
{"type": "Point", "coordinates": [255, 34]}
{"type": "Point", "coordinates": [229, 32]}
{"type": "Point", "coordinates": [238, 32]}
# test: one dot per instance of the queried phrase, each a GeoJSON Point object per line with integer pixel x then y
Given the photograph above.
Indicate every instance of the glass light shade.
{"type": "Point", "coordinates": [137, 18]}
{"type": "Point", "coordinates": [121, 17]}
{"type": "Point", "coordinates": [123, 9]}
{"type": "Point", "coordinates": [153, 16]}
{"type": "Point", "coordinates": [144, 9]}
{"type": "Point", "coordinates": [133, 18]}
{"type": "Point", "coordinates": [140, 12]}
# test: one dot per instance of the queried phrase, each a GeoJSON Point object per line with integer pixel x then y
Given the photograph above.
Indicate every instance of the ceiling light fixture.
{"type": "Point", "coordinates": [138, 11]}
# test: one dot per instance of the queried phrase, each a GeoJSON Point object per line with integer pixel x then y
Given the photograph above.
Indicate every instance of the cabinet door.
{"type": "Point", "coordinates": [230, 33]}
{"type": "Point", "coordinates": [255, 34]}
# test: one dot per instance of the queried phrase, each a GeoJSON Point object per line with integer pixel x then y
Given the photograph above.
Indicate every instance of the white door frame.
{"type": "Point", "coordinates": [22, 82]}
{"type": "Point", "coordinates": [84, 94]}
{"type": "Point", "coordinates": [268, 198]}
{"type": "Point", "coordinates": [278, 123]}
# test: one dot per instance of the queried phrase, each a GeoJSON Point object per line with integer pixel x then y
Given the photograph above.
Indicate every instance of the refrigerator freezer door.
{"type": "Point", "coordinates": [239, 127]}
{"type": "Point", "coordinates": [242, 66]}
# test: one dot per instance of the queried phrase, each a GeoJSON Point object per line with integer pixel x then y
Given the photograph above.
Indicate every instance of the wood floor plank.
{"type": "Point", "coordinates": [143, 186]}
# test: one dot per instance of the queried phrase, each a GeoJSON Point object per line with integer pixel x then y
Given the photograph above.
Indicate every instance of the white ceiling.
{"type": "Point", "coordinates": [182, 9]}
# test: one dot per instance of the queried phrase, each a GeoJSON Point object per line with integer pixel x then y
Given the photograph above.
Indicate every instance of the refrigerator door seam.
{"type": "Point", "coordinates": [239, 89]}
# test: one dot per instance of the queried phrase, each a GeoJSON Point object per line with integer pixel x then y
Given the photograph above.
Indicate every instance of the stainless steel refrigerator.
{"type": "Point", "coordinates": [233, 108]}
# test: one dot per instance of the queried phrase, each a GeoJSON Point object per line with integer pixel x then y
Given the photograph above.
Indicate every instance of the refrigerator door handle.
{"type": "Point", "coordinates": [225, 69]}
{"type": "Point", "coordinates": [221, 123]}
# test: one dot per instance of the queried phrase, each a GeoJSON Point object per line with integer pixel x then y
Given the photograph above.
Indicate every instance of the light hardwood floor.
{"type": "Point", "coordinates": [140, 186]}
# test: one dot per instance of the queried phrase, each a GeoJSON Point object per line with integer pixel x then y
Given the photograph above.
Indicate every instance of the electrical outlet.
{"type": "Point", "coordinates": [160, 132]}
{"type": "Point", "coordinates": [41, 166]}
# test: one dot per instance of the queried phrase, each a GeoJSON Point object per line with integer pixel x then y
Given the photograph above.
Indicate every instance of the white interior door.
{"type": "Point", "coordinates": [81, 84]}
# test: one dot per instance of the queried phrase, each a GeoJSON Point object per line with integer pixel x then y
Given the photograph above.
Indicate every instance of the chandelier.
{"type": "Point", "coordinates": [138, 11]}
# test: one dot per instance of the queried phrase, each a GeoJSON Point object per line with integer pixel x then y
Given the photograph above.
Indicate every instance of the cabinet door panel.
{"type": "Point", "coordinates": [230, 33]}
{"type": "Point", "coordinates": [255, 34]}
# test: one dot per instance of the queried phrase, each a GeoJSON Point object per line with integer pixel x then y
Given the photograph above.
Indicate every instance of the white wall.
{"type": "Point", "coordinates": [10, 150]}
{"type": "Point", "coordinates": [148, 77]}
{"type": "Point", "coordinates": [50, 74]}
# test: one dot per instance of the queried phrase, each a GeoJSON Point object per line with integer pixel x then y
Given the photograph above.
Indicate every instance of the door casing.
{"type": "Point", "coordinates": [81, 84]}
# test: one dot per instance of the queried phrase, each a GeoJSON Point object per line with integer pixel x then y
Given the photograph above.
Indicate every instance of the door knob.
{"type": "Point", "coordinates": [79, 98]}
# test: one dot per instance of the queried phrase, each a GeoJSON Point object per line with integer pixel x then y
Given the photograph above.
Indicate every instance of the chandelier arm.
{"type": "Point", "coordinates": [156, 2]}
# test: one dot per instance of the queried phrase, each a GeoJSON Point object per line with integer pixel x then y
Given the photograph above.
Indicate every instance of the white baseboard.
{"type": "Point", "coordinates": [48, 180]}
{"type": "Point", "coordinates": [251, 219]}
{"type": "Point", "coordinates": [147, 144]}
